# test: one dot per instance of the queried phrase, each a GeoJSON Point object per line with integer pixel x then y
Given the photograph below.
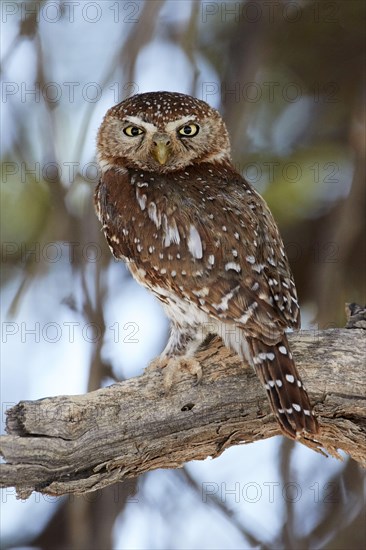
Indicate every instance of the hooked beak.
{"type": "Point", "coordinates": [161, 148]}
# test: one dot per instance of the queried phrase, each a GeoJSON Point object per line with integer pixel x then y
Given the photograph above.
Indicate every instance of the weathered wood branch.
{"type": "Point", "coordinates": [81, 443]}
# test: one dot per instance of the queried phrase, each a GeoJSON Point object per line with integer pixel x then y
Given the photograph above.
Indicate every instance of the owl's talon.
{"type": "Point", "coordinates": [173, 367]}
{"type": "Point", "coordinates": [194, 368]}
{"type": "Point", "coordinates": [158, 363]}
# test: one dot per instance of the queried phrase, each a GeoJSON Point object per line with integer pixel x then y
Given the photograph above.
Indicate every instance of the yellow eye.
{"type": "Point", "coordinates": [132, 131]}
{"type": "Point", "coordinates": [189, 130]}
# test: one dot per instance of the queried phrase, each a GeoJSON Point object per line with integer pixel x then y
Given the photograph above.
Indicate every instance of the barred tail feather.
{"type": "Point", "coordinates": [286, 393]}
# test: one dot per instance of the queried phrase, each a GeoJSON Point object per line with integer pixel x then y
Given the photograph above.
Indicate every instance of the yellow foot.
{"type": "Point", "coordinates": [173, 367]}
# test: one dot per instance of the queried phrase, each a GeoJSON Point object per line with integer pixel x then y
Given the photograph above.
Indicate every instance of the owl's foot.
{"type": "Point", "coordinates": [173, 367]}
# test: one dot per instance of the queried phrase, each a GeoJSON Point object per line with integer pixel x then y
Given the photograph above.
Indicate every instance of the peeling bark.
{"type": "Point", "coordinates": [76, 444]}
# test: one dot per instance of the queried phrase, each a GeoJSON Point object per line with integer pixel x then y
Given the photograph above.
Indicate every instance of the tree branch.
{"type": "Point", "coordinates": [75, 444]}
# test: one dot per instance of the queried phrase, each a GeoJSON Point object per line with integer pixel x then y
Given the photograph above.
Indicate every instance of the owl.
{"type": "Point", "coordinates": [202, 240]}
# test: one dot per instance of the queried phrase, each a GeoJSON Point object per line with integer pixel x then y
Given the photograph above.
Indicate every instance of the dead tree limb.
{"type": "Point", "coordinates": [75, 444]}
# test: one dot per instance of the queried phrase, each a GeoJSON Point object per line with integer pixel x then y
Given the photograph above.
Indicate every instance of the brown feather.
{"type": "Point", "coordinates": [197, 235]}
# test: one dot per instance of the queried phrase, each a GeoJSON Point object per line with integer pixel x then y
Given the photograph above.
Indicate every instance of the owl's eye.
{"type": "Point", "coordinates": [132, 131]}
{"type": "Point", "coordinates": [189, 130]}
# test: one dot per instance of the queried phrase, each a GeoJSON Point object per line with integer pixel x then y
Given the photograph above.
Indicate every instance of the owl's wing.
{"type": "Point", "coordinates": [251, 286]}
{"type": "Point", "coordinates": [208, 240]}
{"type": "Point", "coordinates": [241, 272]}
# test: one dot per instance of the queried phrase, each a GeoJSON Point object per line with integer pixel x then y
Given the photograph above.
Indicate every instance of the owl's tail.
{"type": "Point", "coordinates": [285, 390]}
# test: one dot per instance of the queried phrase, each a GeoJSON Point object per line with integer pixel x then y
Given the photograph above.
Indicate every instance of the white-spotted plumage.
{"type": "Point", "coordinates": [194, 243]}
{"type": "Point", "coordinates": [201, 239]}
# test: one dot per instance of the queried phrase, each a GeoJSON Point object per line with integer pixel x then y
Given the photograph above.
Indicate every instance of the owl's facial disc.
{"type": "Point", "coordinates": [161, 148]}
{"type": "Point", "coordinates": [162, 132]}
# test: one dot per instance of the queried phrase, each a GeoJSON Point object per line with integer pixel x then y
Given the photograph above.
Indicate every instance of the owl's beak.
{"type": "Point", "coordinates": [161, 148]}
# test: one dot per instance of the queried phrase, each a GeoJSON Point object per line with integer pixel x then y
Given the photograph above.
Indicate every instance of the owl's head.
{"type": "Point", "coordinates": [162, 132]}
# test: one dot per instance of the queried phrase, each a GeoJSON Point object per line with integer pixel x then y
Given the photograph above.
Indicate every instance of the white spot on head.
{"type": "Point", "coordinates": [211, 259]}
{"type": "Point", "coordinates": [194, 243]}
{"type": "Point", "coordinates": [236, 235]}
{"type": "Point", "coordinates": [250, 259]}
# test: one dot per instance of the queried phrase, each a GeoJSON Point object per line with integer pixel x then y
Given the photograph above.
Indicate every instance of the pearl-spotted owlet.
{"type": "Point", "coordinates": [201, 239]}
